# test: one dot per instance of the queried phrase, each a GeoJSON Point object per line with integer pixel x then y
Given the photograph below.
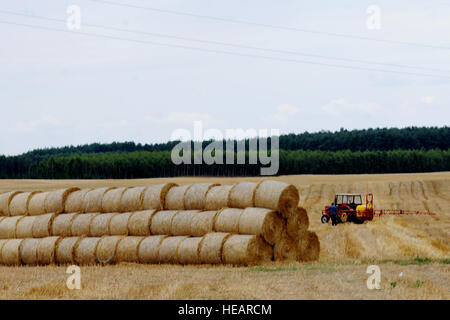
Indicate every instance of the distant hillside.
{"type": "Point", "coordinates": [386, 150]}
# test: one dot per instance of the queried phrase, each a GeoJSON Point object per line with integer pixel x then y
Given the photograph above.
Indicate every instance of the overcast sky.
{"type": "Point", "coordinates": [62, 88]}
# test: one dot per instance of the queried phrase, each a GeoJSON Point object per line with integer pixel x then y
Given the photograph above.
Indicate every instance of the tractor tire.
{"type": "Point", "coordinates": [357, 221]}
{"type": "Point", "coordinates": [343, 217]}
{"type": "Point", "coordinates": [324, 219]}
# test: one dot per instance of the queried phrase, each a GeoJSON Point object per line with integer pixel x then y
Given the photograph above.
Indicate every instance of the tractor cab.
{"type": "Point", "coordinates": [347, 200]}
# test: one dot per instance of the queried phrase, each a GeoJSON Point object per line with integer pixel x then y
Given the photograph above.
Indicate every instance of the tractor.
{"type": "Point", "coordinates": [350, 208]}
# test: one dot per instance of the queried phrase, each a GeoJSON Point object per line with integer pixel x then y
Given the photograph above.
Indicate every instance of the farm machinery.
{"type": "Point", "coordinates": [350, 208]}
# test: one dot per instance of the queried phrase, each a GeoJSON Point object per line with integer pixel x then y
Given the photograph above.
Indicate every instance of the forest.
{"type": "Point", "coordinates": [384, 150]}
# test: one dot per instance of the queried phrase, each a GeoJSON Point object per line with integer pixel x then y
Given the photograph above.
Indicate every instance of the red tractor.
{"type": "Point", "coordinates": [350, 208]}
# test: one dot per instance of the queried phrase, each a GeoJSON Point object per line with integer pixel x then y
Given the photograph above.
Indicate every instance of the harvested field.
{"type": "Point", "coordinates": [418, 246]}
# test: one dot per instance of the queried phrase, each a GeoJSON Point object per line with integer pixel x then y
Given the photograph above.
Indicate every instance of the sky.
{"type": "Point", "coordinates": [97, 84]}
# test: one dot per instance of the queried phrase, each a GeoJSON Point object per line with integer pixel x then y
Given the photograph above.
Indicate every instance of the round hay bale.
{"type": "Point", "coordinates": [175, 197]}
{"type": "Point", "coordinates": [127, 249]}
{"type": "Point", "coordinates": [62, 224]}
{"type": "Point", "coordinates": [194, 198]}
{"type": "Point", "coordinates": [162, 222]}
{"type": "Point", "coordinates": [8, 227]}
{"type": "Point", "coordinates": [278, 196]}
{"type": "Point", "coordinates": [106, 249]}
{"type": "Point", "coordinates": [297, 223]}
{"type": "Point", "coordinates": [155, 195]}
{"type": "Point", "coordinates": [19, 204]}
{"type": "Point", "coordinates": [140, 222]}
{"type": "Point", "coordinates": [262, 222]}
{"type": "Point", "coordinates": [189, 251]}
{"type": "Point", "coordinates": [218, 197]}
{"type": "Point", "coordinates": [42, 225]}
{"type": "Point", "coordinates": [167, 252]}
{"type": "Point", "coordinates": [84, 253]}
{"type": "Point", "coordinates": [118, 225]}
{"type": "Point", "coordinates": [81, 223]}
{"type": "Point", "coordinates": [65, 250]}
{"type": "Point", "coordinates": [132, 199]}
{"type": "Point", "coordinates": [211, 247]}
{"type": "Point", "coordinates": [149, 248]}
{"type": "Point", "coordinates": [203, 223]}
{"type": "Point", "coordinates": [36, 205]}
{"type": "Point", "coordinates": [5, 201]}
{"type": "Point", "coordinates": [24, 227]}
{"type": "Point", "coordinates": [75, 200]}
{"type": "Point", "coordinates": [55, 201]}
{"type": "Point", "coordinates": [308, 247]}
{"type": "Point", "coordinates": [11, 252]}
{"type": "Point", "coordinates": [286, 249]}
{"type": "Point", "coordinates": [242, 195]}
{"type": "Point", "coordinates": [28, 251]}
{"type": "Point", "coordinates": [46, 250]}
{"type": "Point", "coordinates": [246, 250]}
{"type": "Point", "coordinates": [181, 223]}
{"type": "Point", "coordinates": [92, 201]}
{"type": "Point", "coordinates": [99, 225]}
{"type": "Point", "coordinates": [227, 220]}
{"type": "Point", "coordinates": [112, 200]}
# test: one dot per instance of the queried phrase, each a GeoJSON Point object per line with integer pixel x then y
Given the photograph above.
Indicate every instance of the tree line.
{"type": "Point", "coordinates": [145, 164]}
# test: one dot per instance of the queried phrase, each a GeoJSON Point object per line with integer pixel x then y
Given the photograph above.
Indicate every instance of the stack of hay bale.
{"type": "Point", "coordinates": [204, 223]}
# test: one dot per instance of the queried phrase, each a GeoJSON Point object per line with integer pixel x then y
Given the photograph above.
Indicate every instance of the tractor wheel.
{"type": "Point", "coordinates": [344, 216]}
{"type": "Point", "coordinates": [357, 221]}
{"type": "Point", "coordinates": [324, 219]}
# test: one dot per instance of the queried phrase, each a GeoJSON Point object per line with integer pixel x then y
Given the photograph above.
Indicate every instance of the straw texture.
{"type": "Point", "coordinates": [107, 248]}
{"type": "Point", "coordinates": [140, 222]}
{"type": "Point", "coordinates": [149, 248]}
{"type": "Point", "coordinates": [8, 227]}
{"type": "Point", "coordinates": [112, 200]}
{"type": "Point", "coordinates": [36, 205]}
{"type": "Point", "coordinates": [175, 197]}
{"type": "Point", "coordinates": [127, 249]}
{"type": "Point", "coordinates": [11, 252]}
{"type": "Point", "coordinates": [46, 250]}
{"type": "Point", "coordinates": [118, 226]}
{"type": "Point", "coordinates": [227, 220]}
{"type": "Point", "coordinates": [203, 223]}
{"type": "Point", "coordinates": [189, 251]}
{"type": "Point", "coordinates": [167, 252]}
{"type": "Point", "coordinates": [19, 203]}
{"type": "Point", "coordinates": [28, 251]}
{"type": "Point", "coordinates": [297, 223]}
{"type": "Point", "coordinates": [62, 224]}
{"type": "Point", "coordinates": [24, 227]}
{"type": "Point", "coordinates": [242, 195]}
{"type": "Point", "coordinates": [55, 201]}
{"type": "Point", "coordinates": [65, 250]}
{"type": "Point", "coordinates": [262, 222]}
{"type": "Point", "coordinates": [155, 195]}
{"type": "Point", "coordinates": [81, 223]}
{"type": "Point", "coordinates": [132, 199]}
{"type": "Point", "coordinates": [99, 225]}
{"type": "Point", "coordinates": [194, 198]}
{"type": "Point", "coordinates": [162, 222]}
{"type": "Point", "coordinates": [218, 197]}
{"type": "Point", "coordinates": [84, 253]}
{"type": "Point", "coordinates": [211, 247]}
{"type": "Point", "coordinates": [278, 196]}
{"type": "Point", "coordinates": [42, 225]}
{"type": "Point", "coordinates": [92, 201]}
{"type": "Point", "coordinates": [181, 223]}
{"type": "Point", "coordinates": [75, 200]}
{"type": "Point", "coordinates": [5, 200]}
{"type": "Point", "coordinates": [246, 250]}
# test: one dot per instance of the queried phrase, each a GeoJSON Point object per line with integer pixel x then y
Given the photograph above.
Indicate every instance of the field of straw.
{"type": "Point", "coordinates": [413, 252]}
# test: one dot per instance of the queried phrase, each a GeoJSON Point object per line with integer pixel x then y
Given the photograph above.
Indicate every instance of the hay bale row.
{"type": "Point", "coordinates": [55, 201]}
{"type": "Point", "coordinates": [111, 201]}
{"type": "Point", "coordinates": [75, 201]}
